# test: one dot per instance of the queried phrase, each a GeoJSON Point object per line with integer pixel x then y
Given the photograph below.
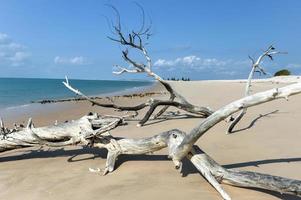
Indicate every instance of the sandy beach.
{"type": "Point", "coordinates": [270, 145]}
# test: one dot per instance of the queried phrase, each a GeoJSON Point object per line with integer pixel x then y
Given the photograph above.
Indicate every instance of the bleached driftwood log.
{"type": "Point", "coordinates": [270, 52]}
{"type": "Point", "coordinates": [68, 133]}
{"type": "Point", "coordinates": [208, 167]}
{"type": "Point", "coordinates": [118, 146]}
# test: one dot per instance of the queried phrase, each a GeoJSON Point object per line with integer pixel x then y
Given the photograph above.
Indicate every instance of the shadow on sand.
{"type": "Point", "coordinates": [188, 168]}
{"type": "Point", "coordinates": [255, 120]}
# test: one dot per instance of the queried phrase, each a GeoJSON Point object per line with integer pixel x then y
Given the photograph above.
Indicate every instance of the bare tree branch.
{"type": "Point", "coordinates": [135, 40]}
{"type": "Point", "coordinates": [221, 114]}
{"type": "Point", "coordinates": [269, 52]}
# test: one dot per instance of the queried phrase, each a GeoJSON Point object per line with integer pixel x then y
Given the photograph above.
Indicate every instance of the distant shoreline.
{"type": "Point", "coordinates": [46, 107]}
{"type": "Point", "coordinates": [16, 92]}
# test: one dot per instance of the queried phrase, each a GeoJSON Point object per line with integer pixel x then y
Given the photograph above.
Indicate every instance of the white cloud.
{"type": "Point", "coordinates": [77, 60]}
{"type": "Point", "coordinates": [12, 53]}
{"type": "Point", "coordinates": [192, 61]}
{"type": "Point", "coordinates": [196, 64]}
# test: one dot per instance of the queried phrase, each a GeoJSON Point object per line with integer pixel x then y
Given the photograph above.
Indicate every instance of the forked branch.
{"type": "Point", "coordinates": [256, 67]}
{"type": "Point", "coordinates": [136, 40]}
{"type": "Point", "coordinates": [221, 114]}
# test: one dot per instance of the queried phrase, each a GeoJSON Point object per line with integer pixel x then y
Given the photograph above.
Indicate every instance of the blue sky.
{"type": "Point", "coordinates": [200, 39]}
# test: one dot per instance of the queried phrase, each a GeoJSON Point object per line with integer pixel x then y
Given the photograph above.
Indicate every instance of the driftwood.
{"type": "Point", "coordinates": [136, 40]}
{"type": "Point", "coordinates": [93, 130]}
{"type": "Point", "coordinates": [181, 145]}
{"type": "Point", "coordinates": [212, 171]}
{"type": "Point", "coordinates": [218, 174]}
{"type": "Point", "coordinates": [270, 52]}
{"type": "Point", "coordinates": [69, 133]}
{"type": "Point", "coordinates": [221, 114]}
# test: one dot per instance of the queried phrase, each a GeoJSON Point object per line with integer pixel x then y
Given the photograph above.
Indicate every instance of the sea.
{"type": "Point", "coordinates": [20, 92]}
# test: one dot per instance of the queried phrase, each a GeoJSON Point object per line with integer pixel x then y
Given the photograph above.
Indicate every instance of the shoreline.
{"type": "Point", "coordinates": [41, 110]}
{"type": "Point", "coordinates": [23, 91]}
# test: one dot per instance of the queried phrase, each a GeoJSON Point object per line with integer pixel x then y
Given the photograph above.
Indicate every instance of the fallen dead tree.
{"type": "Point", "coordinates": [92, 130]}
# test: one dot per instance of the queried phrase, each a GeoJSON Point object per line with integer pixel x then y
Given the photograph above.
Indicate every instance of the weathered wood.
{"type": "Point", "coordinates": [211, 170]}
{"type": "Point", "coordinates": [118, 146]}
{"type": "Point", "coordinates": [244, 178]}
{"type": "Point", "coordinates": [136, 40]}
{"type": "Point", "coordinates": [226, 111]}
{"type": "Point", "coordinates": [255, 68]}
{"type": "Point", "coordinates": [69, 133]}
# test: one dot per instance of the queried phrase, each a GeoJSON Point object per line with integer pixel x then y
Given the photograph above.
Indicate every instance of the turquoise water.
{"type": "Point", "coordinates": [21, 91]}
